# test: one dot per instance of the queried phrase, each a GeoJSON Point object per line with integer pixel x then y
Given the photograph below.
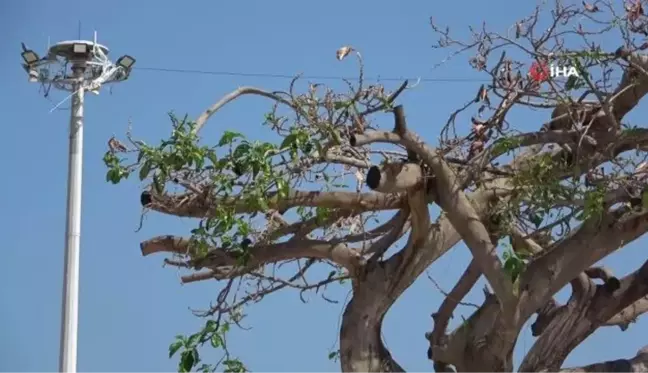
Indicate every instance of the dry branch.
{"type": "Point", "coordinates": [639, 363]}
{"type": "Point", "coordinates": [259, 255]}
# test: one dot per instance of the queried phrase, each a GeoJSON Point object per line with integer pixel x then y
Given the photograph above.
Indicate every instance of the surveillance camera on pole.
{"type": "Point", "coordinates": [75, 66]}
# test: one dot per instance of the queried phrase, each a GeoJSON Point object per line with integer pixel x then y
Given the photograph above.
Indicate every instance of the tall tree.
{"type": "Point", "coordinates": [555, 201]}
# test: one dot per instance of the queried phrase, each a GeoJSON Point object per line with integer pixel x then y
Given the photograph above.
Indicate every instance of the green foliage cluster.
{"type": "Point", "coordinates": [254, 174]}
{"type": "Point", "coordinates": [213, 332]}
{"type": "Point", "coordinates": [541, 190]}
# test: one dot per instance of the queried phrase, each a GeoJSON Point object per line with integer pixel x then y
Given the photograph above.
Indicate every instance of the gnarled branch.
{"type": "Point", "coordinates": [218, 259]}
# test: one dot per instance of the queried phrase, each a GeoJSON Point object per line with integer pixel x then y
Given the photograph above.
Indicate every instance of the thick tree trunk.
{"type": "Point", "coordinates": [481, 360]}
{"type": "Point", "coordinates": [481, 344]}
{"type": "Point", "coordinates": [361, 345]}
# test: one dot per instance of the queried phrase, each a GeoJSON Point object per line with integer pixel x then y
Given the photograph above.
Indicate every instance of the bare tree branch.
{"type": "Point", "coordinates": [259, 255]}
{"type": "Point", "coordinates": [639, 363]}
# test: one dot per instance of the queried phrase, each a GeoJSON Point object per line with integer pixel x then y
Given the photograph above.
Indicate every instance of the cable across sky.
{"type": "Point", "coordinates": [314, 77]}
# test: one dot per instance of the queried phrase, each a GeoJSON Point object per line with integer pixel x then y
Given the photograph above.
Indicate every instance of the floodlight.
{"type": "Point", "coordinates": [80, 48]}
{"type": "Point", "coordinates": [126, 62]}
{"type": "Point", "coordinates": [30, 57]}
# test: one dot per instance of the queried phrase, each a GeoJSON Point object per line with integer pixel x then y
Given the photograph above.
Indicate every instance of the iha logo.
{"type": "Point", "coordinates": [541, 72]}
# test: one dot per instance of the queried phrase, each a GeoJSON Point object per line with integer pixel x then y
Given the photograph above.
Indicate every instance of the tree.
{"type": "Point", "coordinates": [555, 201]}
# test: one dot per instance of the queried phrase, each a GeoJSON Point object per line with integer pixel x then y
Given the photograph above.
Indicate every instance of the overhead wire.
{"type": "Point", "coordinates": [313, 77]}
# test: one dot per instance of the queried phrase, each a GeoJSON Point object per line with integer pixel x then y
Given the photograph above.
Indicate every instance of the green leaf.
{"type": "Point", "coordinates": [193, 340]}
{"type": "Point", "coordinates": [216, 341]}
{"type": "Point", "coordinates": [255, 169]}
{"type": "Point", "coordinates": [571, 83]}
{"type": "Point", "coordinates": [174, 347]}
{"type": "Point", "coordinates": [145, 170]}
{"type": "Point", "coordinates": [228, 137]}
{"type": "Point", "coordinates": [332, 355]}
{"type": "Point", "coordinates": [114, 176]}
{"type": "Point", "coordinates": [233, 366]}
{"type": "Point", "coordinates": [187, 360]}
{"type": "Point", "coordinates": [283, 188]}
{"type": "Point", "coordinates": [288, 141]}
{"type": "Point", "coordinates": [213, 158]}
{"type": "Point", "coordinates": [308, 147]}
{"type": "Point", "coordinates": [211, 325]}
{"type": "Point", "coordinates": [337, 105]}
{"type": "Point", "coordinates": [536, 220]}
{"type": "Point", "coordinates": [157, 184]}
{"type": "Point", "coordinates": [242, 150]}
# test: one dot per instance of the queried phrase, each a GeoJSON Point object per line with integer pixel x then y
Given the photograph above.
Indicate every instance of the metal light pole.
{"type": "Point", "coordinates": [90, 68]}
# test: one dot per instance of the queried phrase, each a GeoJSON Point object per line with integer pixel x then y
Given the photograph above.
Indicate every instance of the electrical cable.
{"type": "Point", "coordinates": [313, 77]}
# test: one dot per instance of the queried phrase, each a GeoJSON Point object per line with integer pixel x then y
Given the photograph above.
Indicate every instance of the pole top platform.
{"type": "Point", "coordinates": [73, 49]}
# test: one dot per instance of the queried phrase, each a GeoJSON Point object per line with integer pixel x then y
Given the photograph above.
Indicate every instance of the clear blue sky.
{"type": "Point", "coordinates": [131, 307]}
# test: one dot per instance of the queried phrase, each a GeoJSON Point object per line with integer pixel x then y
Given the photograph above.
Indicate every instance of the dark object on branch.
{"type": "Point", "coordinates": [400, 126]}
{"type": "Point", "coordinates": [622, 52]}
{"type": "Point", "coordinates": [146, 198]}
{"type": "Point", "coordinates": [373, 177]}
{"type": "Point", "coordinates": [246, 243]}
{"type": "Point", "coordinates": [394, 177]}
{"type": "Point", "coordinates": [612, 284]}
{"type": "Point", "coordinates": [636, 200]}
{"type": "Point", "coordinates": [352, 140]}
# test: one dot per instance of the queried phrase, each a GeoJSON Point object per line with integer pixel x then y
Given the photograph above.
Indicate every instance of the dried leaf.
{"type": "Point", "coordinates": [479, 130]}
{"type": "Point", "coordinates": [592, 8]}
{"type": "Point", "coordinates": [343, 52]}
{"type": "Point", "coordinates": [116, 146]}
{"type": "Point", "coordinates": [475, 148]}
{"type": "Point", "coordinates": [482, 94]}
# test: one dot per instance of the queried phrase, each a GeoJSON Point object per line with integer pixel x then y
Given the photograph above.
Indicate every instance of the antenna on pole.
{"type": "Point", "coordinates": [89, 68]}
{"type": "Point", "coordinates": [94, 47]}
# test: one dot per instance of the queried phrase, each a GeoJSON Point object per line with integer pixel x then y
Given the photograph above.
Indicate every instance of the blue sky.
{"type": "Point", "coordinates": [131, 307]}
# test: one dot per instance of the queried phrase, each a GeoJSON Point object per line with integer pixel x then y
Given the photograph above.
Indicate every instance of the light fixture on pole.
{"type": "Point", "coordinates": [126, 62]}
{"type": "Point", "coordinates": [30, 57]}
{"type": "Point", "coordinates": [89, 68]}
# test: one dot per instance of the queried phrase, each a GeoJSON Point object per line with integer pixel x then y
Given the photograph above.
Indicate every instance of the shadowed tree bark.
{"type": "Point", "coordinates": [555, 201]}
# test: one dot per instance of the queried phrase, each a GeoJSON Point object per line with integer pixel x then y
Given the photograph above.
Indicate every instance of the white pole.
{"type": "Point", "coordinates": [70, 308]}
